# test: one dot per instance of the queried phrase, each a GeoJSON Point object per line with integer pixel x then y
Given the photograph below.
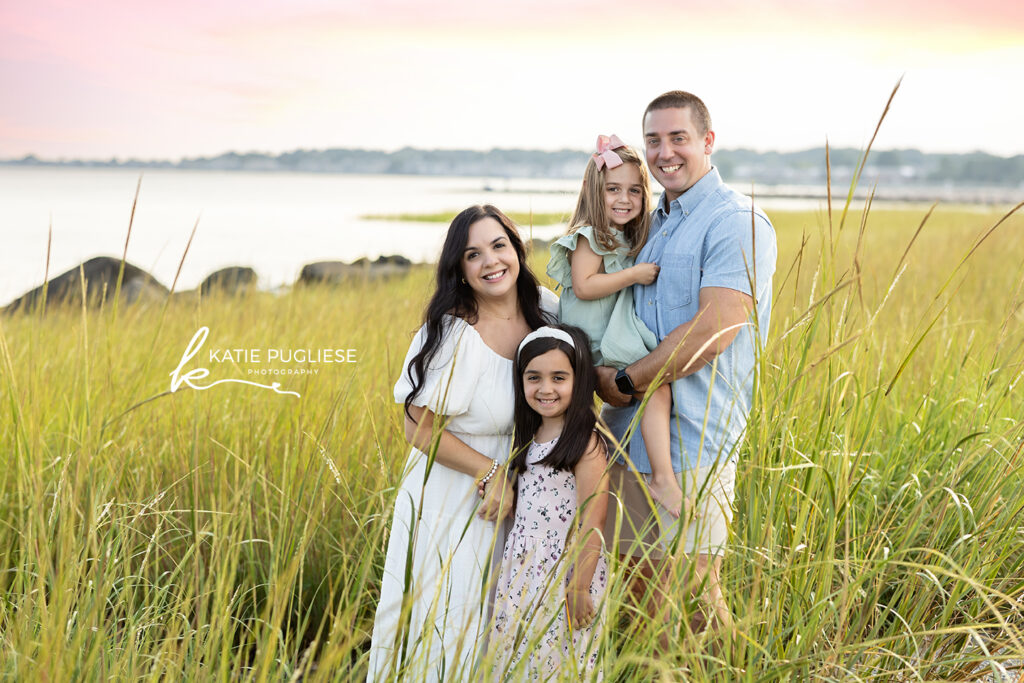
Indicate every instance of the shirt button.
{"type": "Point", "coordinates": [664, 232]}
{"type": "Point", "coordinates": [649, 302]}
{"type": "Point", "coordinates": [686, 213]}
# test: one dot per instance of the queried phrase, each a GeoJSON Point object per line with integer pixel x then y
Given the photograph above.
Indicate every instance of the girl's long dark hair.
{"type": "Point", "coordinates": [580, 417]}
{"type": "Point", "coordinates": [453, 296]}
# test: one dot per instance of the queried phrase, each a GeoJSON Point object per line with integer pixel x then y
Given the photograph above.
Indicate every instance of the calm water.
{"type": "Point", "coordinates": [272, 222]}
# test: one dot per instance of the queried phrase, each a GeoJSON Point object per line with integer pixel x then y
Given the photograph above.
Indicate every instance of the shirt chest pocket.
{"type": "Point", "coordinates": [676, 289]}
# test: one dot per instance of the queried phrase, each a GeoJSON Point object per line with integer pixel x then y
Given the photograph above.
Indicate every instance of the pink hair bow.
{"type": "Point", "coordinates": [605, 155]}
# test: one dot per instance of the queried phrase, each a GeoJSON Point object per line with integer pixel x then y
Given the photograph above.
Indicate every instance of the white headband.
{"type": "Point", "coordinates": [540, 332]}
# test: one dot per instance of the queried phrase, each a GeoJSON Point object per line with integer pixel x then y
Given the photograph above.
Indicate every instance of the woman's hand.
{"type": "Point", "coordinates": [580, 607]}
{"type": "Point", "coordinates": [497, 496]}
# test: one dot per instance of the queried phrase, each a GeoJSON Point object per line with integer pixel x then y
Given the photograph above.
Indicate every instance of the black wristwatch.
{"type": "Point", "coordinates": [624, 383]}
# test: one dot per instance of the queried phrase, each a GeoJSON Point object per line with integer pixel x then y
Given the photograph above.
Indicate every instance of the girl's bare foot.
{"type": "Point", "coordinates": [667, 492]}
{"type": "Point", "coordinates": [689, 509]}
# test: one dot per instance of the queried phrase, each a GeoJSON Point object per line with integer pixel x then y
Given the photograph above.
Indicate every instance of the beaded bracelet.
{"type": "Point", "coordinates": [490, 473]}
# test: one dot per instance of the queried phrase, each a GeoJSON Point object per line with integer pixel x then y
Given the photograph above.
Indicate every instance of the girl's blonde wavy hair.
{"type": "Point", "coordinates": [590, 208]}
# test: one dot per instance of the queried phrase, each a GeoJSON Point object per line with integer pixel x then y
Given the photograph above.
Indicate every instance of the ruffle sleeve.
{"type": "Point", "coordinates": [449, 383]}
{"type": "Point", "coordinates": [559, 268]}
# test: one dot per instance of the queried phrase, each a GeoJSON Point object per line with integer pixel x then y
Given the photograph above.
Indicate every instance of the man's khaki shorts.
{"type": "Point", "coordinates": [654, 531]}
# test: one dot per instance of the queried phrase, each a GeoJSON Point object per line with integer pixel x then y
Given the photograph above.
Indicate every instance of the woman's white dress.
{"type": "Point", "coordinates": [455, 554]}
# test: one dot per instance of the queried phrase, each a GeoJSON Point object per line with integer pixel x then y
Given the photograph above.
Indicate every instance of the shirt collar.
{"type": "Point", "coordinates": [688, 201]}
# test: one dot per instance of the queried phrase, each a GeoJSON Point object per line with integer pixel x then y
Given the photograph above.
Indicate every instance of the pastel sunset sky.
{"type": "Point", "coordinates": [154, 79]}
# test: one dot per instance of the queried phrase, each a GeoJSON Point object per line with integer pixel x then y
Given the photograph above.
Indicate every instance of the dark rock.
{"type": "Point", "coordinates": [100, 275]}
{"type": "Point", "coordinates": [333, 272]}
{"type": "Point", "coordinates": [233, 280]}
{"type": "Point", "coordinates": [394, 260]}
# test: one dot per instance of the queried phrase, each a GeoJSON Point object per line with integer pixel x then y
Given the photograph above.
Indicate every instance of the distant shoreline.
{"type": "Point", "coordinates": [899, 174]}
{"type": "Point", "coordinates": [878, 181]}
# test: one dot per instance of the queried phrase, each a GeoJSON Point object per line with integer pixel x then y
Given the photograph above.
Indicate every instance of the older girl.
{"type": "Point", "coordinates": [553, 573]}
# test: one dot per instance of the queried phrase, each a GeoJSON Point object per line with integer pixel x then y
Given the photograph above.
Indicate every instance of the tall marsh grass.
{"type": "Point", "coordinates": [236, 533]}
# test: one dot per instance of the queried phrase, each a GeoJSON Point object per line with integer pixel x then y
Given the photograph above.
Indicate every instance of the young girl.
{"type": "Point", "coordinates": [596, 274]}
{"type": "Point", "coordinates": [549, 588]}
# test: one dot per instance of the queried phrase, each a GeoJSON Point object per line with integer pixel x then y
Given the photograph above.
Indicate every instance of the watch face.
{"type": "Point", "coordinates": [623, 382]}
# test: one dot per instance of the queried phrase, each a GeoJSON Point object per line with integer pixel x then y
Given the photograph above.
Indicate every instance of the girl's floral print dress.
{"type": "Point", "coordinates": [532, 639]}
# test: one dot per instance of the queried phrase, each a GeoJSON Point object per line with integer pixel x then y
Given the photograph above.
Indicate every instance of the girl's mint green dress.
{"type": "Point", "coordinates": [617, 336]}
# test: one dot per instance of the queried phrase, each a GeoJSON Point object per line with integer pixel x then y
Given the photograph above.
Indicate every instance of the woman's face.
{"type": "Point", "coordinates": [489, 262]}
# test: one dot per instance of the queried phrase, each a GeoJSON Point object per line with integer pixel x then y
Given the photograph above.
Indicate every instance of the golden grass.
{"type": "Point", "coordinates": [239, 533]}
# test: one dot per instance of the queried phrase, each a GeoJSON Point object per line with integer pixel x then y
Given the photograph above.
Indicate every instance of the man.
{"type": "Point", "coordinates": [709, 309]}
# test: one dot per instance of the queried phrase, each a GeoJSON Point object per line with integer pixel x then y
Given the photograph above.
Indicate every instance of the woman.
{"type": "Point", "coordinates": [456, 386]}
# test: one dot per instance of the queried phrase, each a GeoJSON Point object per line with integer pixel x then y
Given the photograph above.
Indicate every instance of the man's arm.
{"type": "Point", "coordinates": [721, 314]}
{"type": "Point", "coordinates": [739, 254]}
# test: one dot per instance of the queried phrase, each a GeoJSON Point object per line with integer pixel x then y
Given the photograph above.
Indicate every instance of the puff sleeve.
{"type": "Point", "coordinates": [548, 304]}
{"type": "Point", "coordinates": [449, 383]}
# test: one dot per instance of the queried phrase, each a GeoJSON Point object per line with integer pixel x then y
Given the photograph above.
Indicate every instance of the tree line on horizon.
{"type": "Point", "coordinates": [895, 166]}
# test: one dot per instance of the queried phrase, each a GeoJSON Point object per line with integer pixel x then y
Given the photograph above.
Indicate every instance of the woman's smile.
{"type": "Point", "coordinates": [490, 264]}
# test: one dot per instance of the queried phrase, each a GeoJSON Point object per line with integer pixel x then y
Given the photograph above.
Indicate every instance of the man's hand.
{"type": "Point", "coordinates": [608, 390]}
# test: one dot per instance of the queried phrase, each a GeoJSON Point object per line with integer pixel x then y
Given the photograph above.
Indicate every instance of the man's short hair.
{"type": "Point", "coordinates": [680, 99]}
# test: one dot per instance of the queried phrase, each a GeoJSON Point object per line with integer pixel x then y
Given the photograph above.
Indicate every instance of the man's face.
{"type": "Point", "coordinates": [678, 154]}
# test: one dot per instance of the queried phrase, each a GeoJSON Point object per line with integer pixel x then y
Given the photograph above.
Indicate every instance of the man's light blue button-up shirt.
{"type": "Point", "coordinates": [710, 237]}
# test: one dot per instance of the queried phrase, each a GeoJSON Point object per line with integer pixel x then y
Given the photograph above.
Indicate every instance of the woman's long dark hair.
{"type": "Point", "coordinates": [580, 417]}
{"type": "Point", "coordinates": [454, 296]}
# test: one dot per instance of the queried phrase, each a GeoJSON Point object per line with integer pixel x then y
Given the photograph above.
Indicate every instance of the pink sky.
{"type": "Point", "coordinates": [166, 80]}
